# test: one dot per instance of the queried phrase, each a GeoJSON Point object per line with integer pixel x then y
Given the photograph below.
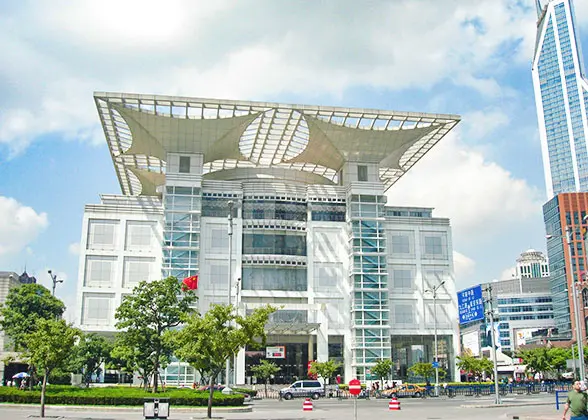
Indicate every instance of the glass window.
{"type": "Point", "coordinates": [102, 234]}
{"type": "Point", "coordinates": [404, 314]}
{"type": "Point", "coordinates": [137, 269]}
{"type": "Point", "coordinates": [97, 309]}
{"type": "Point", "coordinates": [362, 173]}
{"type": "Point", "coordinates": [184, 164]}
{"type": "Point", "coordinates": [139, 235]}
{"type": "Point", "coordinates": [275, 278]}
{"type": "Point", "coordinates": [401, 244]}
{"type": "Point", "coordinates": [403, 279]}
{"type": "Point", "coordinates": [99, 271]}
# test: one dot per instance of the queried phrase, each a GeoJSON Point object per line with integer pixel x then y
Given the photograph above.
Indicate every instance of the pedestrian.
{"type": "Point", "coordinates": [576, 403]}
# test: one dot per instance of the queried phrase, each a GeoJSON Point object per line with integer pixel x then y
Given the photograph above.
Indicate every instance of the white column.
{"type": "Point", "coordinates": [322, 336]}
{"type": "Point", "coordinates": [348, 356]}
{"type": "Point", "coordinates": [240, 370]}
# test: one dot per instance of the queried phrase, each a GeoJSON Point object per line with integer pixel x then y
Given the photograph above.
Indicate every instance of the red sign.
{"type": "Point", "coordinates": [354, 387]}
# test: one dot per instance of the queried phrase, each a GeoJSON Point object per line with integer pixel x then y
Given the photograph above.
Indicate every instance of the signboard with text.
{"type": "Point", "coordinates": [470, 304]}
{"type": "Point", "coordinates": [277, 352]}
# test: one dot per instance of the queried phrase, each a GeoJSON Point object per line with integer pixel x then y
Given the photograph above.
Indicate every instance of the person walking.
{"type": "Point", "coordinates": [576, 403]}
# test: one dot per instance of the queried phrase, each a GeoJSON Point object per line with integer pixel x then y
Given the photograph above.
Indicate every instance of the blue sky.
{"type": "Point", "coordinates": [470, 58]}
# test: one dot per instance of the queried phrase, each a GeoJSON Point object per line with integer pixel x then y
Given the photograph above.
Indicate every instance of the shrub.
{"type": "Point", "coordinates": [68, 395]}
{"type": "Point", "coordinates": [251, 392]}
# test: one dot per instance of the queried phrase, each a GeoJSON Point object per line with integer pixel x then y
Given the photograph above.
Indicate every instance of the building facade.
{"type": "Point", "coordinates": [523, 307]}
{"type": "Point", "coordinates": [566, 249]}
{"type": "Point", "coordinates": [310, 227]}
{"type": "Point", "coordinates": [532, 264]}
{"type": "Point", "coordinates": [561, 97]}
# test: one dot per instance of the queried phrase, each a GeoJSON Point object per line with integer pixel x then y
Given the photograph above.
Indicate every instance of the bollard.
{"type": "Point", "coordinates": [394, 404]}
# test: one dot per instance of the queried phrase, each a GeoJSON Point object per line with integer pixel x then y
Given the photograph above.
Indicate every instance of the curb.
{"type": "Point", "coordinates": [179, 409]}
{"type": "Point", "coordinates": [504, 405]}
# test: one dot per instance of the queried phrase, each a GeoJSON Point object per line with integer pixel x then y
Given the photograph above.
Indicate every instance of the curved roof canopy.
{"type": "Point", "coordinates": [238, 138]}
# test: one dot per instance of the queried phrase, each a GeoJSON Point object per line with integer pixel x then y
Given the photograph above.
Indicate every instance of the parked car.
{"type": "Point", "coordinates": [307, 388]}
{"type": "Point", "coordinates": [404, 390]}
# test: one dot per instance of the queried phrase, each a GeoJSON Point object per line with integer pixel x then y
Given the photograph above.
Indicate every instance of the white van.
{"type": "Point", "coordinates": [306, 388]}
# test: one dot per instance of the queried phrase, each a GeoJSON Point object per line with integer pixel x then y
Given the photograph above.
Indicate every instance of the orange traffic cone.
{"type": "Point", "coordinates": [394, 405]}
{"type": "Point", "coordinates": [307, 405]}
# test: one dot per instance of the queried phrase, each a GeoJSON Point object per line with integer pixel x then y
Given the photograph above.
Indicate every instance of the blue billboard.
{"type": "Point", "coordinates": [470, 304]}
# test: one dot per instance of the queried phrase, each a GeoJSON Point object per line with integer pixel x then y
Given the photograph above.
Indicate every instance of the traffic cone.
{"type": "Point", "coordinates": [394, 405]}
{"type": "Point", "coordinates": [307, 405]}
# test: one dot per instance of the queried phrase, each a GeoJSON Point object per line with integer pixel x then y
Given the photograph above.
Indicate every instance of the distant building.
{"type": "Point", "coordinates": [9, 280]}
{"type": "Point", "coordinates": [532, 264]}
{"type": "Point", "coordinates": [561, 97]}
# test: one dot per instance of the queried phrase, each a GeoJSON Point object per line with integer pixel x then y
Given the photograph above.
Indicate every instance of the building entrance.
{"type": "Point", "coordinates": [293, 366]}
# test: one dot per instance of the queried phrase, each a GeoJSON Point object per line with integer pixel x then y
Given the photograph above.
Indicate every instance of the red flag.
{"type": "Point", "coordinates": [190, 283]}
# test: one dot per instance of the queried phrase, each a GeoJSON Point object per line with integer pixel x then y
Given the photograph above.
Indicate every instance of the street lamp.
{"type": "Point", "coordinates": [436, 356]}
{"type": "Point", "coordinates": [579, 338]}
{"type": "Point", "coordinates": [230, 279]}
{"type": "Point", "coordinates": [54, 280]}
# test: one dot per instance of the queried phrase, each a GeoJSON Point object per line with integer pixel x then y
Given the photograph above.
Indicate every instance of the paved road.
{"type": "Point", "coordinates": [413, 409]}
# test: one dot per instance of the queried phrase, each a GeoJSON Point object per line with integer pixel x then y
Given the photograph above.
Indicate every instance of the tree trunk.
{"type": "Point", "coordinates": [210, 392]}
{"type": "Point", "coordinates": [44, 387]}
{"type": "Point", "coordinates": [155, 371]}
{"type": "Point", "coordinates": [266, 381]}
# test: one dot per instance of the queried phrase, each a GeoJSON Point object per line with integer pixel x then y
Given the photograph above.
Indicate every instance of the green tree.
{"type": "Point", "coordinates": [558, 358]}
{"type": "Point", "coordinates": [24, 305]}
{"type": "Point", "coordinates": [91, 351]}
{"type": "Point", "coordinates": [382, 370]}
{"type": "Point", "coordinates": [49, 348]}
{"type": "Point", "coordinates": [425, 370]}
{"type": "Point", "coordinates": [475, 366]}
{"type": "Point", "coordinates": [264, 370]}
{"type": "Point", "coordinates": [537, 360]}
{"type": "Point", "coordinates": [145, 316]}
{"type": "Point", "coordinates": [208, 341]}
{"type": "Point", "coordinates": [325, 370]}
{"type": "Point", "coordinates": [132, 353]}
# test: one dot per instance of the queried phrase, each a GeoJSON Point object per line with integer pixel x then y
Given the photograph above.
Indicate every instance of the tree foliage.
{"type": "Point", "coordinates": [50, 348]}
{"type": "Point", "coordinates": [264, 370]}
{"type": "Point", "coordinates": [475, 366]}
{"type": "Point", "coordinates": [325, 370]}
{"type": "Point", "coordinates": [544, 360]}
{"type": "Point", "coordinates": [25, 305]}
{"type": "Point", "coordinates": [426, 370]}
{"type": "Point", "coordinates": [145, 316]}
{"type": "Point", "coordinates": [208, 341]}
{"type": "Point", "coordinates": [382, 369]}
{"type": "Point", "coordinates": [91, 351]}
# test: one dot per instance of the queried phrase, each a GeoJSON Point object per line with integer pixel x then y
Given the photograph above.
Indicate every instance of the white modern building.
{"type": "Point", "coordinates": [312, 231]}
{"type": "Point", "coordinates": [532, 264]}
{"type": "Point", "coordinates": [561, 96]}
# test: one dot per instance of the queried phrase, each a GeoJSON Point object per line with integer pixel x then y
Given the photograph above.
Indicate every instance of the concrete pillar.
{"type": "Point", "coordinates": [240, 368]}
{"type": "Point", "coordinates": [310, 347]}
{"type": "Point", "coordinates": [322, 336]}
{"type": "Point", "coordinates": [348, 357]}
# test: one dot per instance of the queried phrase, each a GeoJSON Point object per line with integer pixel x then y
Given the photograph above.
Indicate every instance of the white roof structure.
{"type": "Point", "coordinates": [241, 137]}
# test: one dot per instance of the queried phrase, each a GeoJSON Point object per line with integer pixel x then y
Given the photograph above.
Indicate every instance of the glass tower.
{"type": "Point", "coordinates": [561, 95]}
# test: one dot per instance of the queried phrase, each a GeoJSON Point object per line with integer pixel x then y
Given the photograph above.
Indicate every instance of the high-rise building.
{"type": "Point", "coordinates": [532, 264]}
{"type": "Point", "coordinates": [564, 220]}
{"type": "Point", "coordinates": [561, 97]}
{"type": "Point", "coordinates": [310, 228]}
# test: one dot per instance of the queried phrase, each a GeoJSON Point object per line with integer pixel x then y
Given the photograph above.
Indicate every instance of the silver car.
{"type": "Point", "coordinates": [308, 388]}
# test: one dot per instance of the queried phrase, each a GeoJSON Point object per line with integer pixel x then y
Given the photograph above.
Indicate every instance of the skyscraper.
{"type": "Point", "coordinates": [561, 96]}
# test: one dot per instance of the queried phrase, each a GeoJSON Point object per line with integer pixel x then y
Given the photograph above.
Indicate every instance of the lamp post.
{"type": "Point", "coordinates": [55, 280]}
{"type": "Point", "coordinates": [570, 267]}
{"type": "Point", "coordinates": [436, 355]}
{"type": "Point", "coordinates": [494, 339]}
{"type": "Point", "coordinates": [230, 280]}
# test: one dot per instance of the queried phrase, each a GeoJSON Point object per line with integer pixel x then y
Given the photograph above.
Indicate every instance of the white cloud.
{"type": "Point", "coordinates": [74, 248]}
{"type": "Point", "coordinates": [481, 198]}
{"type": "Point", "coordinates": [508, 273]}
{"type": "Point", "coordinates": [479, 124]}
{"type": "Point", "coordinates": [56, 53]}
{"type": "Point", "coordinates": [19, 225]}
{"type": "Point", "coordinates": [463, 267]}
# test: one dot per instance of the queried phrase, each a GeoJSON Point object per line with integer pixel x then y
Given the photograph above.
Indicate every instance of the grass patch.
{"type": "Point", "coordinates": [115, 396]}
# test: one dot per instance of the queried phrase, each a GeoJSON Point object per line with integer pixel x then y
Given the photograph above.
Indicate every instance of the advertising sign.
{"type": "Point", "coordinates": [277, 352]}
{"type": "Point", "coordinates": [471, 304]}
{"type": "Point", "coordinates": [471, 342]}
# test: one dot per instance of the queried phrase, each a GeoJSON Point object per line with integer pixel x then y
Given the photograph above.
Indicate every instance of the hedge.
{"type": "Point", "coordinates": [251, 392]}
{"type": "Point", "coordinates": [113, 396]}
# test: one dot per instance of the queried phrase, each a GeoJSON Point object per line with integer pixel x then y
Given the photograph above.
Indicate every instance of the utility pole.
{"type": "Point", "coordinates": [490, 313]}
{"type": "Point", "coordinates": [54, 280]}
{"type": "Point", "coordinates": [230, 280]}
{"type": "Point", "coordinates": [576, 305]}
{"type": "Point", "coordinates": [436, 353]}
